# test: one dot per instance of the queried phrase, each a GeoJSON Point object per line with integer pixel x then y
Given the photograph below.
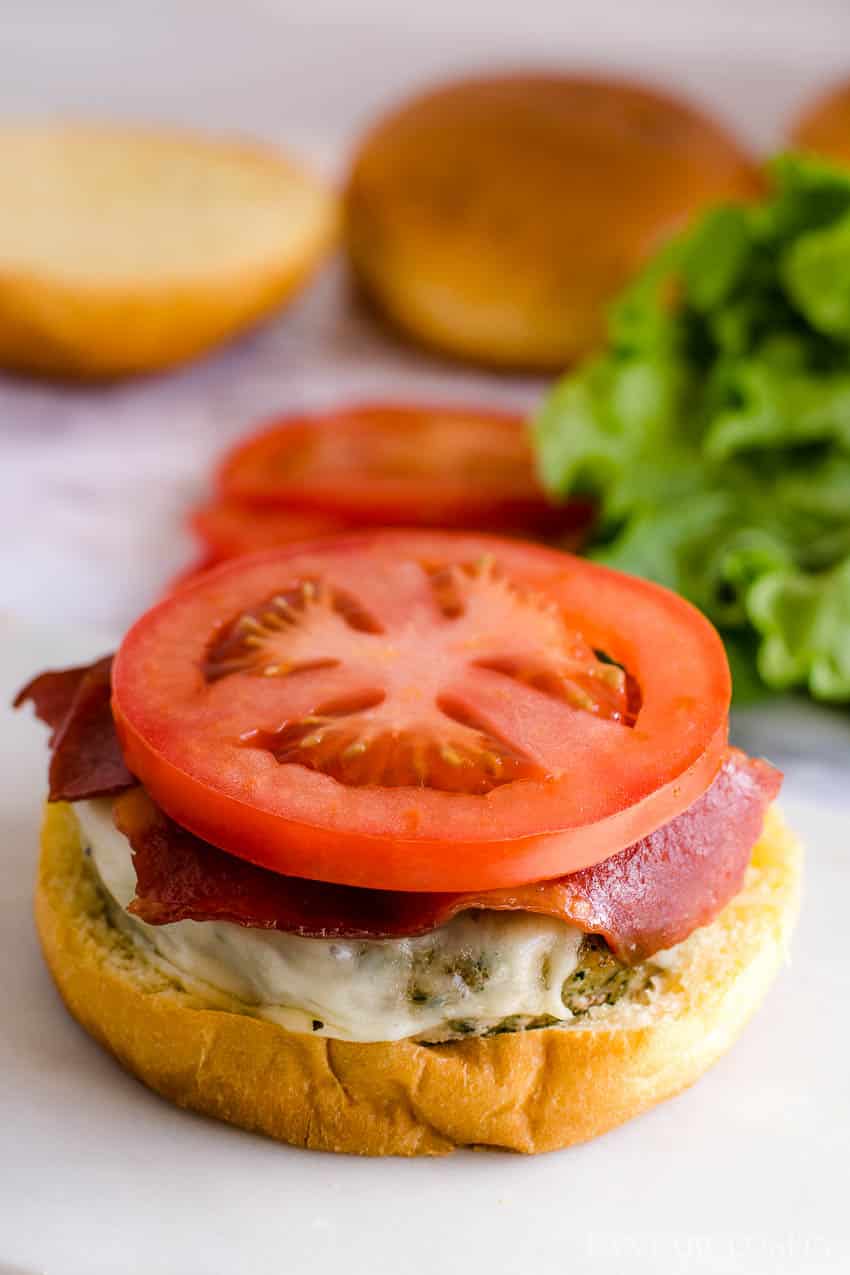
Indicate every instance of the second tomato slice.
{"type": "Point", "coordinates": [398, 464]}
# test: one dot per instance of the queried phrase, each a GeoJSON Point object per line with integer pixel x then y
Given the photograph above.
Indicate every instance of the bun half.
{"type": "Point", "coordinates": [527, 1091]}
{"type": "Point", "coordinates": [495, 218]}
{"type": "Point", "coordinates": [128, 250]}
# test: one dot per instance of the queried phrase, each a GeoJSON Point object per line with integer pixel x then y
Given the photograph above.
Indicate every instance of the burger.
{"type": "Point", "coordinates": [401, 841]}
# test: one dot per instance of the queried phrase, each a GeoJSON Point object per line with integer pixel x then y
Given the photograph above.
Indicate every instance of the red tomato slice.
{"type": "Point", "coordinates": [393, 464]}
{"type": "Point", "coordinates": [422, 710]}
{"type": "Point", "coordinates": [228, 528]}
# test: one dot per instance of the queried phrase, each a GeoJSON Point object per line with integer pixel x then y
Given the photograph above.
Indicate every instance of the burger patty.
{"type": "Point", "coordinates": [481, 972]}
{"type": "Point", "coordinates": [598, 980]}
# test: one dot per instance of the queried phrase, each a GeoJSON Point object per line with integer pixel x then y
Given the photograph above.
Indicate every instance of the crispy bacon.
{"type": "Point", "coordinates": [645, 898]}
{"type": "Point", "coordinates": [52, 693]}
{"type": "Point", "coordinates": [179, 877]}
{"type": "Point", "coordinates": [85, 756]}
{"type": "Point", "coordinates": [658, 891]}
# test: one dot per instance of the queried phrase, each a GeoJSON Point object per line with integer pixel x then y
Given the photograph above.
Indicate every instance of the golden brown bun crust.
{"type": "Point", "coordinates": [824, 125]}
{"type": "Point", "coordinates": [495, 218]}
{"type": "Point", "coordinates": [529, 1091]}
{"type": "Point", "coordinates": [147, 283]}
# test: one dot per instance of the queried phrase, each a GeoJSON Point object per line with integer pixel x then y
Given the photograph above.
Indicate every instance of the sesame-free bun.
{"type": "Point", "coordinates": [823, 126]}
{"type": "Point", "coordinates": [126, 250]}
{"type": "Point", "coordinates": [495, 218]}
{"type": "Point", "coordinates": [527, 1091]}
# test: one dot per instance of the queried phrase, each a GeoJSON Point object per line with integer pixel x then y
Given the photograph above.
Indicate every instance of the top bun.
{"type": "Point", "coordinates": [494, 218]}
{"type": "Point", "coordinates": [125, 250]}
{"type": "Point", "coordinates": [824, 125]}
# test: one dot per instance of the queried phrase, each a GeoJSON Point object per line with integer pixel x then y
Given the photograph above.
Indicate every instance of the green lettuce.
{"type": "Point", "coordinates": [713, 432]}
{"type": "Point", "coordinates": [805, 620]}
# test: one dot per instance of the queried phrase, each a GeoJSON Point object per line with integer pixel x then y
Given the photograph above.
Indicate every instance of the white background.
{"type": "Point", "coordinates": [743, 1176]}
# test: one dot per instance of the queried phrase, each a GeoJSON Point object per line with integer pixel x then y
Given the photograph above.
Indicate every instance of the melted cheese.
{"type": "Point", "coordinates": [477, 970]}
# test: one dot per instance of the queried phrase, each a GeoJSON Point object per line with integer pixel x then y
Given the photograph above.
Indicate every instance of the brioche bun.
{"type": "Point", "coordinates": [824, 125]}
{"type": "Point", "coordinates": [126, 251]}
{"type": "Point", "coordinates": [527, 1091]}
{"type": "Point", "coordinates": [495, 218]}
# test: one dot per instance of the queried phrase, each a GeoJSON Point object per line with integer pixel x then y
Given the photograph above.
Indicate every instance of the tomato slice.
{"type": "Point", "coordinates": [422, 710]}
{"type": "Point", "coordinates": [388, 463]}
{"type": "Point", "coordinates": [228, 528]}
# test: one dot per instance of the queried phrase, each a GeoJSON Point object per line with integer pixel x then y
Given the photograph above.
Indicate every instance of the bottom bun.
{"type": "Point", "coordinates": [527, 1091]}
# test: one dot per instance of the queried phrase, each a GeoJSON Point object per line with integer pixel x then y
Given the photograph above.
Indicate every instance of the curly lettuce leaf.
{"type": "Point", "coordinates": [719, 255]}
{"type": "Point", "coordinates": [714, 430]}
{"type": "Point", "coordinates": [816, 272]}
{"type": "Point", "coordinates": [742, 653]}
{"type": "Point", "coordinates": [805, 622]}
{"type": "Point", "coordinates": [774, 408]}
{"type": "Point", "coordinates": [808, 194]}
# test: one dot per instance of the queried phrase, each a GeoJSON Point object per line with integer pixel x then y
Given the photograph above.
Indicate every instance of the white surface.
{"type": "Point", "coordinates": [93, 483]}
{"type": "Point", "coordinates": [743, 1175]}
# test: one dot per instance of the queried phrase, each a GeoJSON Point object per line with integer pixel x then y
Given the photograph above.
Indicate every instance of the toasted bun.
{"type": "Point", "coordinates": [495, 218]}
{"type": "Point", "coordinates": [824, 125]}
{"type": "Point", "coordinates": [124, 250]}
{"type": "Point", "coordinates": [528, 1091]}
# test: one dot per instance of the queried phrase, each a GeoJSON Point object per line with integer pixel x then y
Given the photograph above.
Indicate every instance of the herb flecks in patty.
{"type": "Point", "coordinates": [600, 979]}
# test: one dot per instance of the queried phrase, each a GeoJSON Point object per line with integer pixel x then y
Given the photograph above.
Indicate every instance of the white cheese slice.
{"type": "Point", "coordinates": [479, 968]}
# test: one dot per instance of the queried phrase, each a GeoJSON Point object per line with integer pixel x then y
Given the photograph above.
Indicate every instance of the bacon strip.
{"type": "Point", "coordinates": [85, 758]}
{"type": "Point", "coordinates": [52, 694]}
{"type": "Point", "coordinates": [647, 897]}
{"type": "Point", "coordinates": [658, 891]}
{"type": "Point", "coordinates": [180, 877]}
